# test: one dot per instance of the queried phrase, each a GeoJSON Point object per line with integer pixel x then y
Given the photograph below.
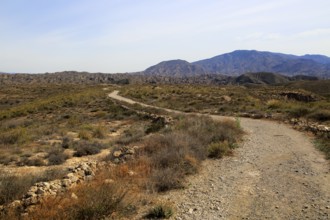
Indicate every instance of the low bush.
{"type": "Point", "coordinates": [84, 148]}
{"type": "Point", "coordinates": [66, 142]}
{"type": "Point", "coordinates": [133, 134]}
{"type": "Point", "coordinates": [178, 151]}
{"type": "Point", "coordinates": [14, 136]}
{"type": "Point", "coordinates": [25, 160]}
{"type": "Point", "coordinates": [218, 149]}
{"type": "Point", "coordinates": [298, 111]}
{"type": "Point", "coordinates": [95, 201]}
{"type": "Point", "coordinates": [164, 179]}
{"type": "Point", "coordinates": [7, 159]}
{"type": "Point", "coordinates": [99, 132]}
{"type": "Point", "coordinates": [320, 115]}
{"type": "Point", "coordinates": [35, 162]}
{"type": "Point", "coordinates": [207, 130]}
{"type": "Point", "coordinates": [156, 125]}
{"type": "Point", "coordinates": [323, 144]}
{"type": "Point", "coordinates": [85, 135]}
{"type": "Point", "coordinates": [273, 104]}
{"type": "Point", "coordinates": [13, 187]}
{"type": "Point", "coordinates": [159, 212]}
{"type": "Point", "coordinates": [56, 157]}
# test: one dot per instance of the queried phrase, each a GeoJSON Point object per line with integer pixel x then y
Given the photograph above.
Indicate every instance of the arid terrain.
{"type": "Point", "coordinates": [164, 151]}
{"type": "Point", "coordinates": [276, 173]}
{"type": "Point", "coordinates": [180, 110]}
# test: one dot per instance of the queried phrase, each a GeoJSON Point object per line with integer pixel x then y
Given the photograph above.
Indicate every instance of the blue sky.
{"type": "Point", "coordinates": [130, 35]}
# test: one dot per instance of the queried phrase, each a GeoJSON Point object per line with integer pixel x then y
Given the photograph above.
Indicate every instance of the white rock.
{"type": "Point", "coordinates": [74, 196]}
{"type": "Point", "coordinates": [108, 181]}
{"type": "Point", "coordinates": [66, 182]}
{"type": "Point", "coordinates": [117, 153]}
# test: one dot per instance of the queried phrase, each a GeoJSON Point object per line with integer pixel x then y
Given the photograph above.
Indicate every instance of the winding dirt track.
{"type": "Point", "coordinates": [275, 174]}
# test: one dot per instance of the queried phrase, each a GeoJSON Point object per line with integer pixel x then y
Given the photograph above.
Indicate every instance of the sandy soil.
{"type": "Point", "coordinates": [276, 173]}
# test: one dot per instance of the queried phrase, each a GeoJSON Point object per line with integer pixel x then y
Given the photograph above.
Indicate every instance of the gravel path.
{"type": "Point", "coordinates": [275, 174]}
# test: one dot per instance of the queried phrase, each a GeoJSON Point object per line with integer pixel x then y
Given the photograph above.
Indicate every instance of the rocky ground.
{"type": "Point", "coordinates": [276, 173]}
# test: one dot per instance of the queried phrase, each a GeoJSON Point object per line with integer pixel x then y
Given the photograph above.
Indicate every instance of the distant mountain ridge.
{"type": "Point", "coordinates": [244, 61]}
{"type": "Point", "coordinates": [317, 58]}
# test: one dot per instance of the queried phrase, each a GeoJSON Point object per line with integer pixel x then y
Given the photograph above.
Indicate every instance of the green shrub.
{"type": "Point", "coordinates": [159, 212]}
{"type": "Point", "coordinates": [218, 149]}
{"type": "Point", "coordinates": [323, 144]}
{"type": "Point", "coordinates": [299, 111]}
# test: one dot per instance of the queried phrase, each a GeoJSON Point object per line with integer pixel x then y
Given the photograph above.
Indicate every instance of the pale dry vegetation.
{"type": "Point", "coordinates": [233, 100]}
{"type": "Point", "coordinates": [161, 163]}
{"type": "Point", "coordinates": [79, 120]}
{"type": "Point", "coordinates": [42, 117]}
{"type": "Point", "coordinates": [255, 100]}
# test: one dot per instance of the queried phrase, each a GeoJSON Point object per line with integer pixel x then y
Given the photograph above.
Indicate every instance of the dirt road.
{"type": "Point", "coordinates": [275, 174]}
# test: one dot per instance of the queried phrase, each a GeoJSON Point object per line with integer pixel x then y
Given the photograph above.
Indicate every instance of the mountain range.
{"type": "Point", "coordinates": [246, 61]}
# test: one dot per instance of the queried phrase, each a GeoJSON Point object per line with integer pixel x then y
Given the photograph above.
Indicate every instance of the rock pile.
{"type": "Point", "coordinates": [255, 115]}
{"type": "Point", "coordinates": [123, 154]}
{"type": "Point", "coordinates": [304, 125]}
{"type": "Point", "coordinates": [167, 119]}
{"type": "Point", "coordinates": [84, 171]}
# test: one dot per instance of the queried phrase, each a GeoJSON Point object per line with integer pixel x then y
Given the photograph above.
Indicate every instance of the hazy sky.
{"type": "Point", "coordinates": [131, 35]}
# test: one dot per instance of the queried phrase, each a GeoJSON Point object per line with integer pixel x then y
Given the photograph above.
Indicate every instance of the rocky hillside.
{"type": "Point", "coordinates": [268, 78]}
{"type": "Point", "coordinates": [176, 68]}
{"type": "Point", "coordinates": [70, 77]}
{"type": "Point", "coordinates": [260, 78]}
{"type": "Point", "coordinates": [243, 61]}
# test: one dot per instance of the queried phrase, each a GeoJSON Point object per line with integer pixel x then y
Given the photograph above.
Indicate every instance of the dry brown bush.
{"type": "Point", "coordinates": [179, 151]}
{"type": "Point", "coordinates": [97, 199]}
